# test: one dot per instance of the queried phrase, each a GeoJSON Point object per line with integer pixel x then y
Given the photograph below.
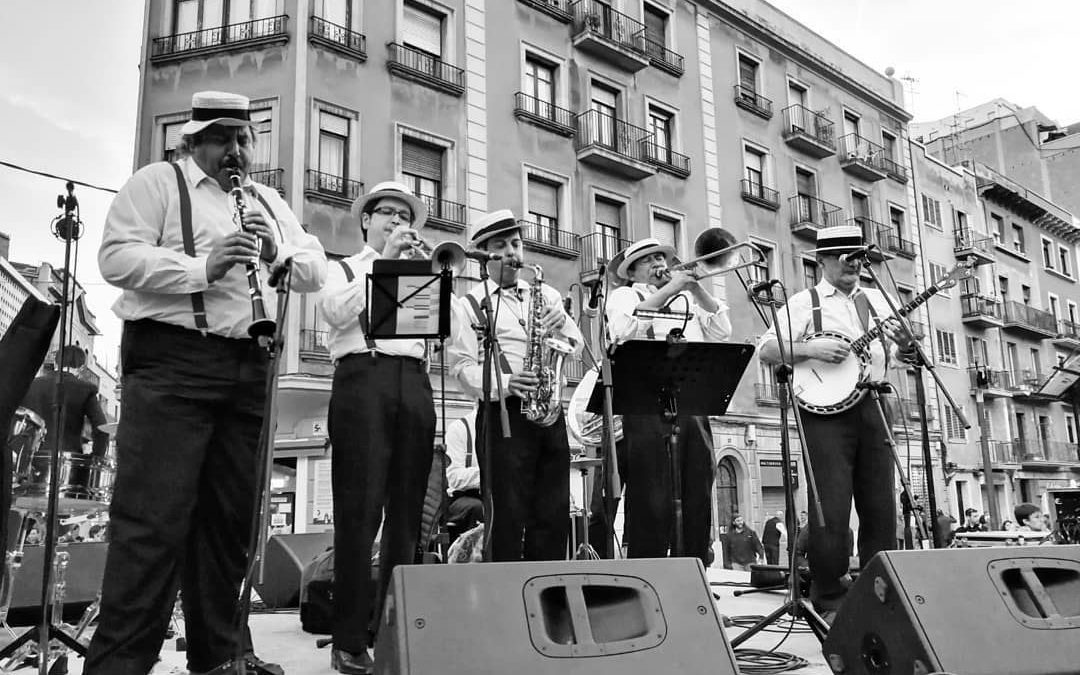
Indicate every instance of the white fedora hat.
{"type": "Point", "coordinates": [639, 249]}
{"type": "Point", "coordinates": [492, 224]}
{"type": "Point", "coordinates": [365, 202]}
{"type": "Point", "coordinates": [217, 107]}
{"type": "Point", "coordinates": [838, 239]}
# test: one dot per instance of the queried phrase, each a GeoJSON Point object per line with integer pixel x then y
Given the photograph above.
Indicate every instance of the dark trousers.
{"type": "Point", "coordinates": [650, 514]}
{"type": "Point", "coordinates": [850, 459]}
{"type": "Point", "coordinates": [181, 511]}
{"type": "Point", "coordinates": [603, 506]}
{"type": "Point", "coordinates": [382, 429]}
{"type": "Point", "coordinates": [465, 510]}
{"type": "Point", "coordinates": [528, 491]}
{"type": "Point", "coordinates": [772, 553]}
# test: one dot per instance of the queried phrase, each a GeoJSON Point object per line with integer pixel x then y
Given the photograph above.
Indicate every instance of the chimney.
{"type": "Point", "coordinates": [5, 245]}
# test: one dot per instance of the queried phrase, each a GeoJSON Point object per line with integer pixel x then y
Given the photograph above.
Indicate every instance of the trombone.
{"type": "Point", "coordinates": [717, 252]}
{"type": "Point", "coordinates": [446, 254]}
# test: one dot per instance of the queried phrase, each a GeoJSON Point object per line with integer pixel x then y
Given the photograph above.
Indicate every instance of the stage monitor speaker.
{"type": "Point", "coordinates": [286, 557]}
{"type": "Point", "coordinates": [564, 618]}
{"type": "Point", "coordinates": [991, 611]}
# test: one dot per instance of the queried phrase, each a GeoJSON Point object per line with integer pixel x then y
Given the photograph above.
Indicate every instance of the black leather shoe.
{"type": "Point", "coordinates": [253, 665]}
{"type": "Point", "coordinates": [351, 663]}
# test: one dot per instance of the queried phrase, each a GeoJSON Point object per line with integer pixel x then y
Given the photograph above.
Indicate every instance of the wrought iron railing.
{"type": "Point", "coordinates": [597, 249]}
{"type": "Point", "coordinates": [757, 190]}
{"type": "Point", "coordinates": [428, 65]}
{"type": "Point", "coordinates": [984, 377]}
{"type": "Point", "coordinates": [560, 9]}
{"type": "Point", "coordinates": [664, 58]}
{"type": "Point", "coordinates": [1069, 330]}
{"type": "Point", "coordinates": [1061, 451]}
{"type": "Point", "coordinates": [817, 212]}
{"type": "Point", "coordinates": [544, 110]}
{"type": "Point", "coordinates": [893, 167]}
{"type": "Point", "coordinates": [966, 238]}
{"type": "Point", "coordinates": [899, 245]}
{"type": "Point", "coordinates": [799, 119]}
{"type": "Point", "coordinates": [974, 304]}
{"type": "Point", "coordinates": [273, 178]}
{"type": "Point", "coordinates": [873, 232]}
{"type": "Point", "coordinates": [855, 147]}
{"type": "Point", "coordinates": [550, 236]}
{"type": "Point", "coordinates": [1024, 380]}
{"type": "Point", "coordinates": [767, 391]}
{"type": "Point", "coordinates": [667, 158]}
{"type": "Point", "coordinates": [1018, 312]}
{"type": "Point", "coordinates": [747, 97]}
{"type": "Point", "coordinates": [444, 210]}
{"type": "Point", "coordinates": [601, 20]}
{"type": "Point", "coordinates": [596, 129]}
{"type": "Point", "coordinates": [330, 184]}
{"type": "Point", "coordinates": [1005, 452]}
{"type": "Point", "coordinates": [313, 341]}
{"type": "Point", "coordinates": [338, 35]}
{"type": "Point", "coordinates": [219, 36]}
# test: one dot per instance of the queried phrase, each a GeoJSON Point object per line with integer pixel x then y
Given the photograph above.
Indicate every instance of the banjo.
{"type": "Point", "coordinates": [830, 388]}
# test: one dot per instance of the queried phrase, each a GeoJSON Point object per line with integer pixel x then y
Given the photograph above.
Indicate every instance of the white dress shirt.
{"type": "Point", "coordinates": [838, 314]}
{"type": "Point", "coordinates": [142, 250]}
{"type": "Point", "coordinates": [341, 303]}
{"type": "Point", "coordinates": [460, 444]}
{"type": "Point", "coordinates": [702, 326]}
{"type": "Point", "coordinates": [464, 354]}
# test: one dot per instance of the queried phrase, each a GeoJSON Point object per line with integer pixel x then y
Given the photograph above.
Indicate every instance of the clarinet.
{"type": "Point", "coordinates": [261, 326]}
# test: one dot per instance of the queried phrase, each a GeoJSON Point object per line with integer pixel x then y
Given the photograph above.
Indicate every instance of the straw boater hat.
{"type": "Point", "coordinates": [217, 107]}
{"type": "Point", "coordinates": [839, 239]}
{"type": "Point", "coordinates": [493, 224]}
{"type": "Point", "coordinates": [365, 203]}
{"type": "Point", "coordinates": [636, 251]}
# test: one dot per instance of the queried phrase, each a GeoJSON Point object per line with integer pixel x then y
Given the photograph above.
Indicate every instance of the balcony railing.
{"type": "Point", "coordinates": [314, 342]}
{"type": "Point", "coordinates": [1068, 330]}
{"type": "Point", "coordinates": [338, 38]}
{"type": "Point", "coordinates": [809, 131]}
{"type": "Point", "coordinates": [609, 34]}
{"type": "Point", "coordinates": [861, 157]}
{"type": "Point", "coordinates": [1023, 381]}
{"type": "Point", "coordinates": [445, 214]}
{"type": "Point", "coordinates": [983, 377]}
{"type": "Point", "coordinates": [813, 213]}
{"type": "Point", "coordinates": [767, 392]}
{"type": "Point", "coordinates": [551, 239]}
{"type": "Point", "coordinates": [270, 178]}
{"type": "Point", "coordinates": [757, 193]}
{"type": "Point", "coordinates": [317, 182]}
{"type": "Point", "coordinates": [425, 68]}
{"type": "Point", "coordinates": [1024, 317]}
{"type": "Point", "coordinates": [895, 169]}
{"type": "Point", "coordinates": [873, 232]}
{"type": "Point", "coordinates": [667, 159]}
{"type": "Point", "coordinates": [663, 58]}
{"type": "Point", "coordinates": [748, 99]}
{"type": "Point", "coordinates": [597, 250]}
{"type": "Point", "coordinates": [969, 243]}
{"type": "Point", "coordinates": [544, 113]}
{"type": "Point", "coordinates": [1062, 452]}
{"type": "Point", "coordinates": [597, 131]}
{"type": "Point", "coordinates": [1006, 452]}
{"type": "Point", "coordinates": [899, 245]}
{"type": "Point", "coordinates": [558, 9]}
{"type": "Point", "coordinates": [975, 305]}
{"type": "Point", "coordinates": [272, 29]}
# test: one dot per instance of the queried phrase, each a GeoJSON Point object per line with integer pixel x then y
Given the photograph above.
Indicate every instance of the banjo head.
{"type": "Point", "coordinates": [827, 387]}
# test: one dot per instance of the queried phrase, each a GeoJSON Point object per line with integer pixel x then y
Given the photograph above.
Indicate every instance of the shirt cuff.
{"type": "Point", "coordinates": [197, 273]}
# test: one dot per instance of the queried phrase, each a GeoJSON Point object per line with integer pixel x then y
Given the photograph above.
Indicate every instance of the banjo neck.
{"type": "Point", "coordinates": [869, 336]}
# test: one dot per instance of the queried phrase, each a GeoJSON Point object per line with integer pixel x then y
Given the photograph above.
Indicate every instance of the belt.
{"type": "Point", "coordinates": [375, 357]}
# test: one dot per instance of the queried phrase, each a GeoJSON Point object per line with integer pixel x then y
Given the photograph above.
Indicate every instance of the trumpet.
{"type": "Point", "coordinates": [261, 325]}
{"type": "Point", "coordinates": [444, 255]}
{"type": "Point", "coordinates": [717, 252]}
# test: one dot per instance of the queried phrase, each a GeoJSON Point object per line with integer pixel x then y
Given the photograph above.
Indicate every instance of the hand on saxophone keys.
{"type": "Point", "coordinates": [523, 383]}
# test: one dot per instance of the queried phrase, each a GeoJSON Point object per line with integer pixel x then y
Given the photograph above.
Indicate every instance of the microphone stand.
{"type": "Point", "coordinates": [492, 353]}
{"type": "Point", "coordinates": [264, 466]}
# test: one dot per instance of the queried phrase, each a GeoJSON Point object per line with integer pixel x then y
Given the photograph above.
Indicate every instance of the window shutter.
{"type": "Point", "coordinates": [543, 198]}
{"type": "Point", "coordinates": [422, 30]}
{"type": "Point", "coordinates": [665, 231]}
{"type": "Point", "coordinates": [421, 159]}
{"type": "Point", "coordinates": [172, 137]}
{"type": "Point", "coordinates": [609, 213]}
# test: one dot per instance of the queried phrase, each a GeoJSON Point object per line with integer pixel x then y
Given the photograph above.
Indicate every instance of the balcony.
{"type": "Point", "coordinates": [338, 38]}
{"type": "Point", "coordinates": [543, 114]}
{"type": "Point", "coordinates": [993, 383]}
{"type": "Point", "coordinates": [313, 345]}
{"type": "Point", "coordinates": [809, 214]}
{"type": "Point", "coordinates": [808, 132]}
{"type": "Point", "coordinates": [767, 393]}
{"type": "Point", "coordinates": [861, 158]}
{"type": "Point", "coordinates": [873, 232]}
{"type": "Point", "coordinates": [980, 311]}
{"type": "Point", "coordinates": [556, 9]}
{"type": "Point", "coordinates": [756, 193]}
{"type": "Point", "coordinates": [969, 245]}
{"type": "Point", "coordinates": [666, 159]}
{"type": "Point", "coordinates": [1028, 321]}
{"type": "Point", "coordinates": [610, 144]}
{"type": "Point", "coordinates": [335, 189]}
{"type": "Point", "coordinates": [428, 69]}
{"type": "Point", "coordinates": [1048, 452]}
{"type": "Point", "coordinates": [1005, 452]}
{"type": "Point", "coordinates": [444, 214]}
{"type": "Point", "coordinates": [597, 250]}
{"type": "Point", "coordinates": [1024, 383]}
{"type": "Point", "coordinates": [550, 240]}
{"type": "Point", "coordinates": [663, 58]}
{"type": "Point", "coordinates": [751, 101]}
{"type": "Point", "coordinates": [904, 248]}
{"type": "Point", "coordinates": [257, 33]}
{"type": "Point", "coordinates": [1068, 334]}
{"type": "Point", "coordinates": [894, 169]}
{"type": "Point", "coordinates": [609, 35]}
{"type": "Point", "coordinates": [273, 178]}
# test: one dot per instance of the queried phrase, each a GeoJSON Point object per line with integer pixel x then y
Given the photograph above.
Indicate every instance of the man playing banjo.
{"type": "Point", "coordinates": [847, 447]}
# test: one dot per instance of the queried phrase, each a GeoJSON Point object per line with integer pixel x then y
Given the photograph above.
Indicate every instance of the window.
{"type": "Point", "coordinates": [605, 105]}
{"type": "Point", "coordinates": [954, 430]}
{"type": "Point", "coordinates": [662, 127]}
{"type": "Point", "coordinates": [665, 228]}
{"type": "Point", "coordinates": [851, 123]}
{"type": "Point", "coordinates": [1025, 294]}
{"type": "Point", "coordinates": [337, 12]}
{"type": "Point", "coordinates": [946, 344]}
{"type": "Point", "coordinates": [1012, 357]}
{"type": "Point", "coordinates": [860, 209]}
{"type": "Point", "coordinates": [539, 84]}
{"type": "Point", "coordinates": [171, 140]}
{"type": "Point", "coordinates": [806, 190]}
{"type": "Point", "coordinates": [1063, 260]}
{"type": "Point", "coordinates": [978, 351]}
{"type": "Point", "coordinates": [422, 29]}
{"type": "Point", "coordinates": [761, 271]}
{"type": "Point", "coordinates": [655, 26]}
{"type": "Point", "coordinates": [1036, 360]}
{"type": "Point", "coordinates": [1071, 309]}
{"type": "Point", "coordinates": [961, 220]}
{"type": "Point", "coordinates": [1003, 288]}
{"type": "Point", "coordinates": [811, 273]}
{"type": "Point", "coordinates": [263, 128]}
{"type": "Point", "coordinates": [997, 228]}
{"type": "Point", "coordinates": [242, 11]}
{"type": "Point", "coordinates": [422, 168]}
{"type": "Point", "coordinates": [1055, 307]}
{"type": "Point", "coordinates": [333, 159]}
{"type": "Point", "coordinates": [756, 163]}
{"type": "Point", "coordinates": [609, 224]}
{"type": "Point", "coordinates": [937, 272]}
{"type": "Point", "coordinates": [888, 141]}
{"type": "Point", "coordinates": [1047, 253]}
{"type": "Point", "coordinates": [896, 221]}
{"type": "Point", "coordinates": [1018, 238]}
{"type": "Point", "coordinates": [931, 212]}
{"type": "Point", "coordinates": [543, 196]}
{"type": "Point", "coordinates": [748, 77]}
{"type": "Point", "coordinates": [797, 95]}
{"type": "Point", "coordinates": [194, 15]}
{"type": "Point", "coordinates": [1070, 428]}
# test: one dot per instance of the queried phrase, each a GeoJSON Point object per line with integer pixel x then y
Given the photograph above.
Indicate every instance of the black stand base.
{"type": "Point", "coordinates": [55, 633]}
{"type": "Point", "coordinates": [800, 608]}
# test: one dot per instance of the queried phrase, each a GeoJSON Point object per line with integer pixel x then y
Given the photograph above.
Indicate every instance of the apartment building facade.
{"type": "Point", "coordinates": [596, 123]}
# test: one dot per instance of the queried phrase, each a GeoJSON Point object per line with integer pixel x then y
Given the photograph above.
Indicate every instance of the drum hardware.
{"type": "Point", "coordinates": [585, 551]}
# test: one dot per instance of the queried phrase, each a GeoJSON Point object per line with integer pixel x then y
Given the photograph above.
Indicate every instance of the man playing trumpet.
{"type": "Point", "coordinates": [698, 317]}
{"type": "Point", "coordinates": [381, 426]}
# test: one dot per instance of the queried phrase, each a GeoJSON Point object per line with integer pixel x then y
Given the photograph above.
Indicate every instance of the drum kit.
{"type": "Point", "coordinates": [85, 484]}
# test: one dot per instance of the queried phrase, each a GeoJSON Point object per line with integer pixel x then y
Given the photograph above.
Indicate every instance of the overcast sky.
{"type": "Point", "coordinates": [69, 83]}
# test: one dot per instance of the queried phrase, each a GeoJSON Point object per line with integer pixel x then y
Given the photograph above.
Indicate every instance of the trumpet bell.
{"type": "Point", "coordinates": [448, 254]}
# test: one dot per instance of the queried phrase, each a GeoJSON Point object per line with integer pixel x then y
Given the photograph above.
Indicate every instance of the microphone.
{"type": "Point", "coordinates": [594, 296]}
{"type": "Point", "coordinates": [857, 254]}
{"type": "Point", "coordinates": [762, 286]}
{"type": "Point", "coordinates": [482, 255]}
{"type": "Point", "coordinates": [279, 272]}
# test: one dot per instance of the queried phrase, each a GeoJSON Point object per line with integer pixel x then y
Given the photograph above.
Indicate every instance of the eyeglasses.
{"type": "Point", "coordinates": [404, 215]}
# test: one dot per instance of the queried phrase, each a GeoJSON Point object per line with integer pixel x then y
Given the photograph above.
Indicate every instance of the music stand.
{"type": "Point", "coordinates": [673, 377]}
{"type": "Point", "coordinates": [407, 300]}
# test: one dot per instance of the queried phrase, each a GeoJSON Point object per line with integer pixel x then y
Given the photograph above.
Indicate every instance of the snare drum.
{"type": "Point", "coordinates": [24, 439]}
{"type": "Point", "coordinates": [84, 483]}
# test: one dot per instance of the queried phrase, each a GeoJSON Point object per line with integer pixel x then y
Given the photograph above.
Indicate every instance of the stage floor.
{"type": "Point", "coordinates": [278, 637]}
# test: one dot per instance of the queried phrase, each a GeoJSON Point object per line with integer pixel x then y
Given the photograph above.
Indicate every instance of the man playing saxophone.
{"type": "Point", "coordinates": [699, 317]}
{"type": "Point", "coordinates": [527, 492]}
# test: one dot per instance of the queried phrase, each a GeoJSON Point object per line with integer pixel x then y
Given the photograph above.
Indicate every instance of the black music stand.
{"type": "Point", "coordinates": [673, 377]}
{"type": "Point", "coordinates": [407, 300]}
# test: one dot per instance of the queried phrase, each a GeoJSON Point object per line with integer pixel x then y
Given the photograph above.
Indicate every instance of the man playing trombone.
{"type": "Point", "coordinates": [381, 426]}
{"type": "Point", "coordinates": [633, 313]}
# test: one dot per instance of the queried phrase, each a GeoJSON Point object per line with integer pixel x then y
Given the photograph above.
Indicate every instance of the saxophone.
{"type": "Point", "coordinates": [544, 356]}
